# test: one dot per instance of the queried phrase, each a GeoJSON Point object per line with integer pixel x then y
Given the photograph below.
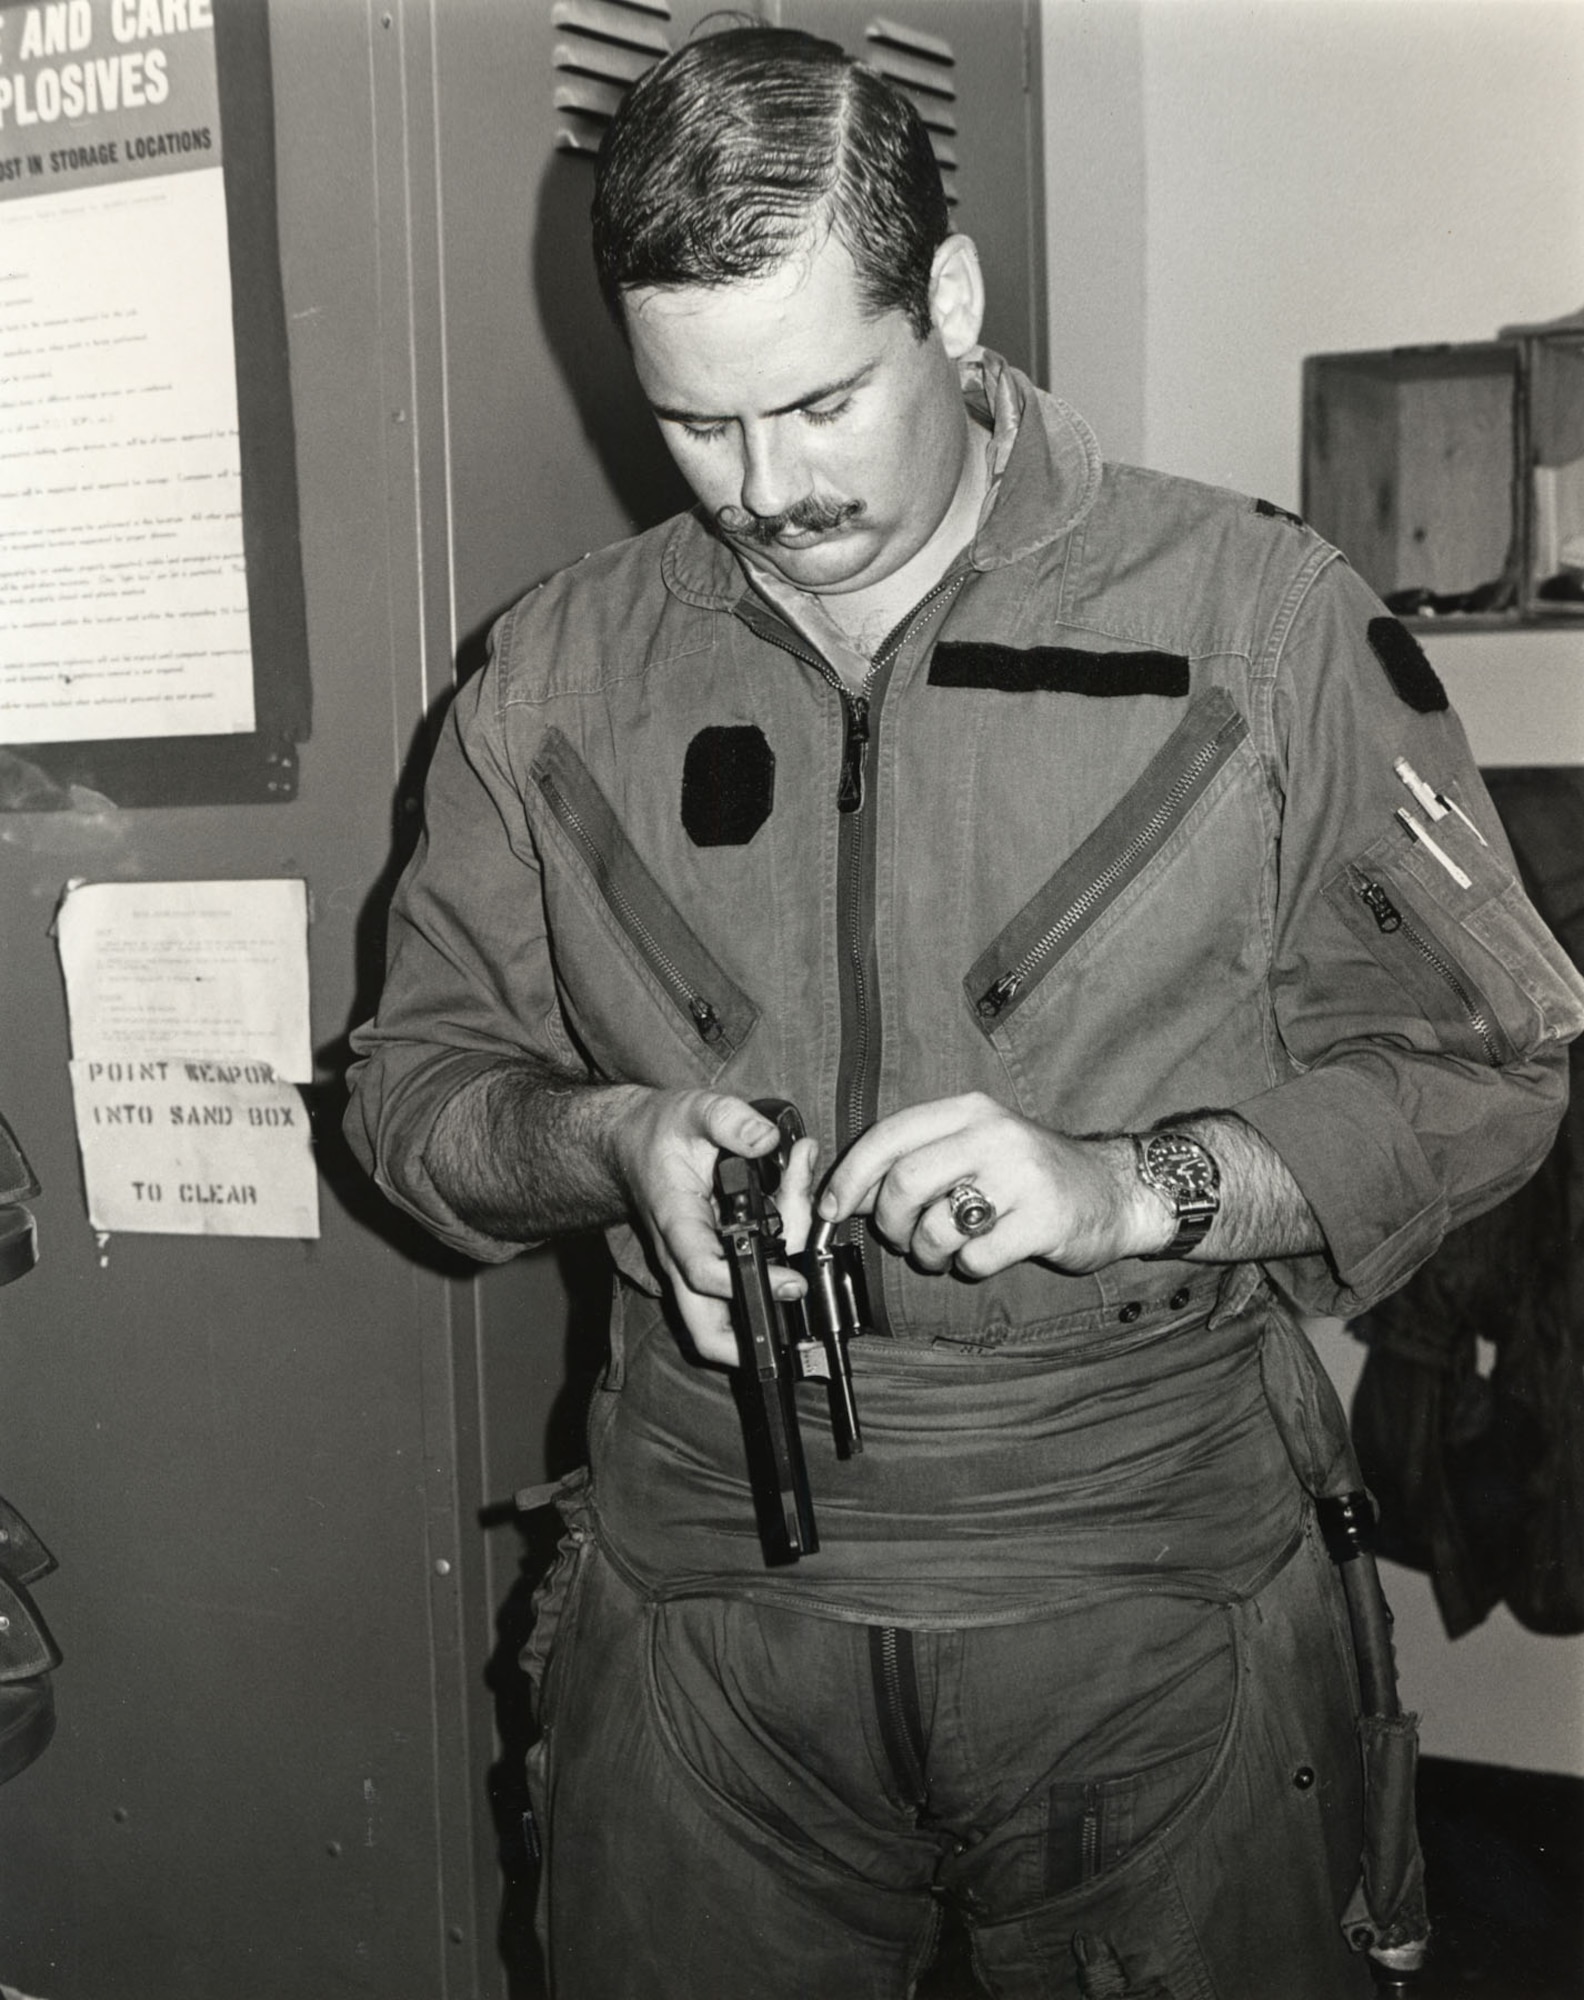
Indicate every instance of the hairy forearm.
{"type": "Point", "coordinates": [526, 1151]}
{"type": "Point", "coordinates": [1263, 1210]}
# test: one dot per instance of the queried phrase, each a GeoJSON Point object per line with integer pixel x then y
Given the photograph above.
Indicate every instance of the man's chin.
{"type": "Point", "coordinates": [831, 561]}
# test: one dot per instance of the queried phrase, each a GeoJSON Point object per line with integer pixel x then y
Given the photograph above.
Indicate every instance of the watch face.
{"type": "Point", "coordinates": [1181, 1166]}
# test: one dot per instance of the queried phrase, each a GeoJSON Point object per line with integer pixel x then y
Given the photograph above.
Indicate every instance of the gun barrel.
{"type": "Point", "coordinates": [763, 1383]}
{"type": "Point", "coordinates": [833, 1307]}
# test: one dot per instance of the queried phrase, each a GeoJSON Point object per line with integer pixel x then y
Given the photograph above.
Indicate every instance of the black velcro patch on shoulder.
{"type": "Point", "coordinates": [728, 785]}
{"type": "Point", "coordinates": [1278, 513]}
{"type": "Point", "coordinates": [973, 663]}
{"type": "Point", "coordinates": [1407, 667]}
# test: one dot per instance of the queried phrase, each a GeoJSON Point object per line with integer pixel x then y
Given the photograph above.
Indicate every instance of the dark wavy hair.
{"type": "Point", "coordinates": [743, 148]}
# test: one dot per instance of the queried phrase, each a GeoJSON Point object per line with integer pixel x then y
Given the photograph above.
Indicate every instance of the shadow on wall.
{"type": "Point", "coordinates": [591, 354]}
{"type": "Point", "coordinates": [339, 1170]}
{"type": "Point", "coordinates": [593, 362]}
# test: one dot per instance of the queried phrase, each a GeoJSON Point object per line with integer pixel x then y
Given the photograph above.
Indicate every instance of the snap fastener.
{"type": "Point", "coordinates": [1303, 1777]}
{"type": "Point", "coordinates": [1179, 1298]}
{"type": "Point", "coordinates": [1130, 1312]}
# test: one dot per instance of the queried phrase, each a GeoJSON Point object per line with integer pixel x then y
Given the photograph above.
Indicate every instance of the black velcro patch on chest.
{"type": "Point", "coordinates": [974, 663]}
{"type": "Point", "coordinates": [728, 785]}
{"type": "Point", "coordinates": [1407, 667]}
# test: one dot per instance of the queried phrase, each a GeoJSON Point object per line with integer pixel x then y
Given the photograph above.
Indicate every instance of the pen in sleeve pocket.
{"type": "Point", "coordinates": [1452, 806]}
{"type": "Point", "coordinates": [1433, 848]}
{"type": "Point", "coordinates": [1435, 803]}
{"type": "Point", "coordinates": [1427, 795]}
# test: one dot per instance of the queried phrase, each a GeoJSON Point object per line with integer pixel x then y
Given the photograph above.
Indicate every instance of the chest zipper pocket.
{"type": "Point", "coordinates": [717, 1014]}
{"type": "Point", "coordinates": [1121, 847]}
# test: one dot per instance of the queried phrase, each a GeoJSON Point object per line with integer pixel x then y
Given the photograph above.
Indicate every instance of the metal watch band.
{"type": "Point", "coordinates": [1191, 1182]}
{"type": "Point", "coordinates": [1191, 1232]}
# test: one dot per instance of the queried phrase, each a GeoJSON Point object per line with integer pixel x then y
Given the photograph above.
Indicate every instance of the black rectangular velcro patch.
{"type": "Point", "coordinates": [1407, 665]}
{"type": "Point", "coordinates": [975, 663]}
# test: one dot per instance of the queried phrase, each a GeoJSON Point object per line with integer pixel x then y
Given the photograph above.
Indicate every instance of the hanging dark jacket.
{"type": "Point", "coordinates": [1476, 1454]}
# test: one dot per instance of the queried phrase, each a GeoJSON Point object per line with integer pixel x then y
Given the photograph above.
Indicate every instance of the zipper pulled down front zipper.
{"type": "Point", "coordinates": [855, 712]}
{"type": "Point", "coordinates": [855, 707]}
{"type": "Point", "coordinates": [1390, 920]}
{"type": "Point", "coordinates": [695, 1005]}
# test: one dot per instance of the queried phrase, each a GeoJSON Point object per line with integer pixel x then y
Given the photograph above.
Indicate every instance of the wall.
{"type": "Point", "coordinates": [1273, 178]}
{"type": "Point", "coordinates": [1095, 215]}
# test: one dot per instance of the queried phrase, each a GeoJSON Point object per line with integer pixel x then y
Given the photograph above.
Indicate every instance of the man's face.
{"type": "Point", "coordinates": [826, 441]}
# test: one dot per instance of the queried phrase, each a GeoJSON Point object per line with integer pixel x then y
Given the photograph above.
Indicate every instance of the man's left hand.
{"type": "Point", "coordinates": [1076, 1203]}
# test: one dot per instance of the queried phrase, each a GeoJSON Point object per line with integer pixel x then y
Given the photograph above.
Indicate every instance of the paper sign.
{"type": "Point", "coordinates": [213, 971]}
{"type": "Point", "coordinates": [189, 1024]}
{"type": "Point", "coordinates": [194, 1149]}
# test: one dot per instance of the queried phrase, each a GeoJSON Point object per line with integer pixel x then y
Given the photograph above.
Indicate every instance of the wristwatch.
{"type": "Point", "coordinates": [1185, 1174]}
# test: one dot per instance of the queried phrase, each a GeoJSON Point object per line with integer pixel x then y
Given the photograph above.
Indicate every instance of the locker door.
{"type": "Point", "coordinates": [550, 450]}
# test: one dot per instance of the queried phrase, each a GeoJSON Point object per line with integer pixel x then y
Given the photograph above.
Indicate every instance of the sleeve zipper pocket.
{"type": "Point", "coordinates": [1391, 921]}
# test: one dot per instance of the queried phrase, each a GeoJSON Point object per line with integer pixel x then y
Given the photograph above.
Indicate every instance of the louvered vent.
{"type": "Point", "coordinates": [923, 68]}
{"type": "Point", "coordinates": [602, 47]}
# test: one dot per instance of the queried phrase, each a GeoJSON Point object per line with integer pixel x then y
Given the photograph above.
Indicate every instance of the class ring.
{"type": "Point", "coordinates": [971, 1209]}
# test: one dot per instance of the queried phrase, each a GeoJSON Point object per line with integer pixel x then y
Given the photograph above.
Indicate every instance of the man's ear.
{"type": "Point", "coordinates": [956, 295]}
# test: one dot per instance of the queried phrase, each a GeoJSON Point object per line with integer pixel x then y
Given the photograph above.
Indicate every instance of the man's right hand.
{"type": "Point", "coordinates": [664, 1145]}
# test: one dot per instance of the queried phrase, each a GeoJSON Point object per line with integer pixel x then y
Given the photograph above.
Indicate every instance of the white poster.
{"type": "Point", "coordinates": [123, 590]}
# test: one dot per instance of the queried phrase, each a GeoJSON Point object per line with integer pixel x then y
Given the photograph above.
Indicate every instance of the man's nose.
{"type": "Point", "coordinates": [772, 473]}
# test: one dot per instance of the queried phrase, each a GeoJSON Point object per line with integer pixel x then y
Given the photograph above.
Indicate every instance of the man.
{"type": "Point", "coordinates": [1032, 825]}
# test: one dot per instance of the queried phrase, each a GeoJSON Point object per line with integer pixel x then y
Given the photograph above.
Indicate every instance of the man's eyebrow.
{"type": "Point", "coordinates": [819, 395]}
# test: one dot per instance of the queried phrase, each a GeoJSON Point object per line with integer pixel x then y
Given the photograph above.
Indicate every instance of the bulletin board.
{"type": "Point", "coordinates": [153, 641]}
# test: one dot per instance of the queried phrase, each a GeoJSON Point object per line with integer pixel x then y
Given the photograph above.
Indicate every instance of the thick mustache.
{"type": "Point", "coordinates": [803, 515]}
